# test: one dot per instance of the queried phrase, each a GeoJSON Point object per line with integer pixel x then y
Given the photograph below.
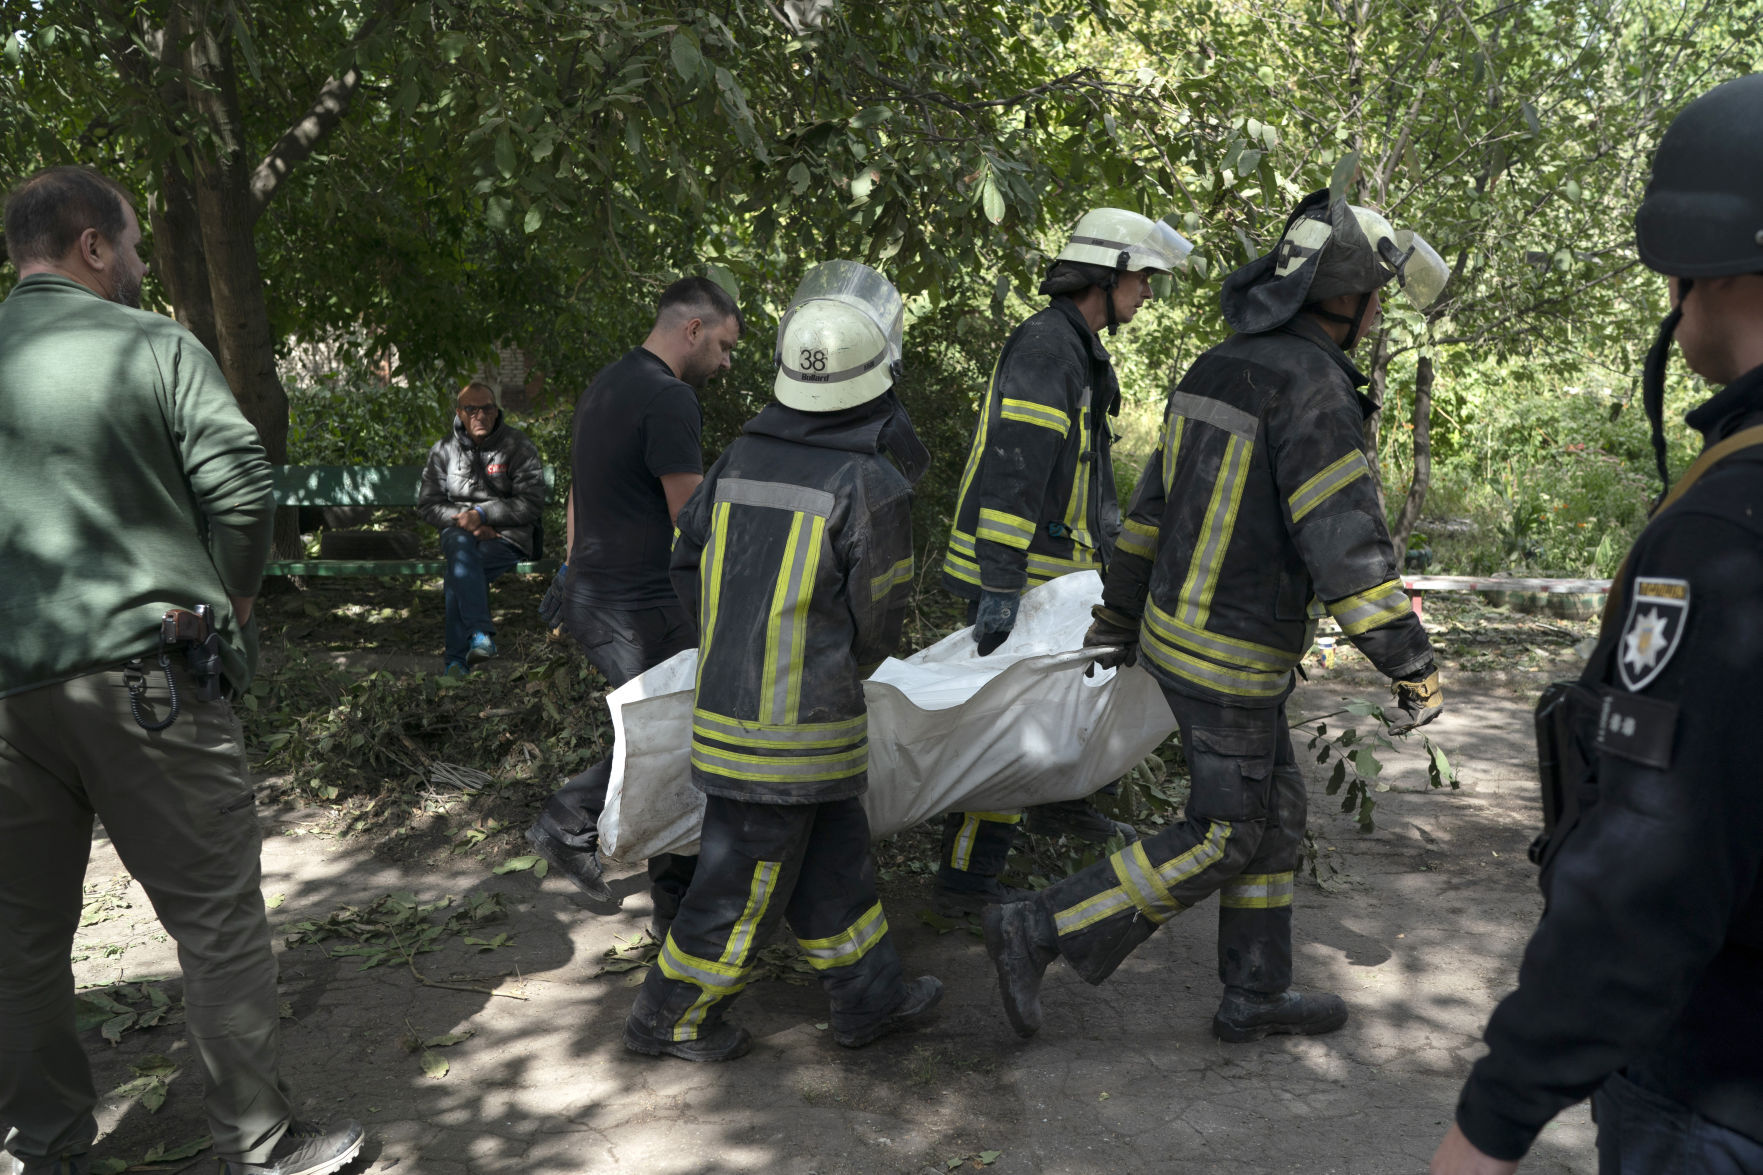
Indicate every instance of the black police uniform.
{"type": "Point", "coordinates": [1649, 955]}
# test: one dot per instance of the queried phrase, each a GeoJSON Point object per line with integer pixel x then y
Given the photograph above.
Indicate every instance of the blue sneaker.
{"type": "Point", "coordinates": [482, 648]}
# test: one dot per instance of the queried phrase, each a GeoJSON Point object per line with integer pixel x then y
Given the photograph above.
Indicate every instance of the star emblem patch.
{"type": "Point", "coordinates": [1656, 616]}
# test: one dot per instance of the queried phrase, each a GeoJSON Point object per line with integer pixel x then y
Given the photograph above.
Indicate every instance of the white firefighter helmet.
{"type": "Point", "coordinates": [1114, 238]}
{"type": "Point", "coordinates": [839, 342]}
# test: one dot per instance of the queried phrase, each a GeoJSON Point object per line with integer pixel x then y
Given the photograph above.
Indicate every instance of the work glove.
{"type": "Point", "coordinates": [551, 607]}
{"type": "Point", "coordinates": [1421, 700]}
{"type": "Point", "coordinates": [1116, 632]}
{"type": "Point", "coordinates": [997, 616]}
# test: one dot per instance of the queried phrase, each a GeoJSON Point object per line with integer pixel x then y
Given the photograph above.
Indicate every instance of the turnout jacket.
{"type": "Point", "coordinates": [503, 477]}
{"type": "Point", "coordinates": [1649, 954]}
{"type": "Point", "coordinates": [1037, 497]}
{"type": "Point", "coordinates": [795, 554]}
{"type": "Point", "coordinates": [1256, 512]}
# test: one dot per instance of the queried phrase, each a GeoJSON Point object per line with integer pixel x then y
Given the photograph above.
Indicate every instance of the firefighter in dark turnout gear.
{"type": "Point", "coordinates": [1037, 497]}
{"type": "Point", "coordinates": [1257, 511]}
{"type": "Point", "coordinates": [796, 554]}
{"type": "Point", "coordinates": [1642, 986]}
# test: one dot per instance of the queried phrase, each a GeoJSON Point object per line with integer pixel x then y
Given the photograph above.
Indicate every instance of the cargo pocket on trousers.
{"type": "Point", "coordinates": [1230, 772]}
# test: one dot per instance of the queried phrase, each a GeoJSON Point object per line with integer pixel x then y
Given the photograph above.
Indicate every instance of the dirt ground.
{"type": "Point", "coordinates": [1419, 926]}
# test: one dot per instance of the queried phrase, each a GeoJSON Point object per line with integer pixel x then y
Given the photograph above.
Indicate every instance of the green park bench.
{"type": "Point", "coordinates": [367, 485]}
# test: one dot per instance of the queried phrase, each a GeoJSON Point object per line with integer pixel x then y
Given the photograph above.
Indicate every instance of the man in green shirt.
{"type": "Point", "coordinates": [133, 486]}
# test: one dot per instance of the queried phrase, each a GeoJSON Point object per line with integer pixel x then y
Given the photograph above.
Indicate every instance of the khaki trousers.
{"type": "Point", "coordinates": [178, 807]}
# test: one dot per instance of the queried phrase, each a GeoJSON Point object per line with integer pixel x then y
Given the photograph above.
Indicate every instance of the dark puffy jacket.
{"type": "Point", "coordinates": [796, 556]}
{"type": "Point", "coordinates": [1257, 511]}
{"type": "Point", "coordinates": [504, 477]}
{"type": "Point", "coordinates": [1037, 498]}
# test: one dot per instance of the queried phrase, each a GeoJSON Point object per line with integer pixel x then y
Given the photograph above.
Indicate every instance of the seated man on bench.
{"type": "Point", "coordinates": [483, 489]}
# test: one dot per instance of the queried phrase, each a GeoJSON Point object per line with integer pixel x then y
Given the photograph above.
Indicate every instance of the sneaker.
{"type": "Point", "coordinates": [482, 648]}
{"type": "Point", "coordinates": [308, 1148]}
{"type": "Point", "coordinates": [1248, 1015]}
{"type": "Point", "coordinates": [581, 866]}
{"type": "Point", "coordinates": [80, 1164]}
{"type": "Point", "coordinates": [1078, 818]}
{"type": "Point", "coordinates": [958, 903]}
{"type": "Point", "coordinates": [724, 1042]}
{"type": "Point", "coordinates": [922, 996]}
{"type": "Point", "coordinates": [1014, 942]}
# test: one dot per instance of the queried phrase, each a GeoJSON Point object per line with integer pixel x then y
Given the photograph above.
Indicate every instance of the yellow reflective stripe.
{"type": "Point", "coordinates": [1257, 891]}
{"type": "Point", "coordinates": [961, 852]}
{"type": "Point", "coordinates": [734, 954]}
{"type": "Point", "coordinates": [1044, 567]}
{"type": "Point", "coordinates": [1143, 885]}
{"type": "Point", "coordinates": [710, 581]}
{"type": "Point", "coordinates": [1245, 683]}
{"type": "Point", "coordinates": [960, 566]}
{"type": "Point", "coordinates": [1330, 481]}
{"type": "Point", "coordinates": [1374, 606]}
{"type": "Point", "coordinates": [780, 688]}
{"type": "Point", "coordinates": [744, 733]}
{"type": "Point", "coordinates": [1029, 412]}
{"type": "Point", "coordinates": [1197, 859]}
{"type": "Point", "coordinates": [1137, 538]}
{"type": "Point", "coordinates": [1227, 649]}
{"type": "Point", "coordinates": [848, 945]}
{"type": "Point", "coordinates": [1215, 532]}
{"type": "Point", "coordinates": [781, 768]}
{"type": "Point", "coordinates": [1171, 450]}
{"type": "Point", "coordinates": [890, 579]}
{"type": "Point", "coordinates": [978, 448]}
{"type": "Point", "coordinates": [1011, 530]}
{"type": "Point", "coordinates": [961, 562]}
{"type": "Point", "coordinates": [1077, 507]}
{"type": "Point", "coordinates": [1092, 910]}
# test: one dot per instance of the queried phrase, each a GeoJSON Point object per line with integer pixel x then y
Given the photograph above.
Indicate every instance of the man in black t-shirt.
{"type": "Point", "coordinates": [635, 459]}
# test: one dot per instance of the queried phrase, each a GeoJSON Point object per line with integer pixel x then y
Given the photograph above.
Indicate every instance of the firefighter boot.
{"type": "Point", "coordinates": [1245, 1015]}
{"type": "Point", "coordinates": [922, 996]}
{"type": "Point", "coordinates": [1021, 941]}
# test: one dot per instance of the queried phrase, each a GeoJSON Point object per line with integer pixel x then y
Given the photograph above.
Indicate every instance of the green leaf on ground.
{"type": "Point", "coordinates": [161, 1153]}
{"type": "Point", "coordinates": [519, 864]}
{"type": "Point", "coordinates": [434, 1065]}
{"type": "Point", "coordinates": [448, 1038]}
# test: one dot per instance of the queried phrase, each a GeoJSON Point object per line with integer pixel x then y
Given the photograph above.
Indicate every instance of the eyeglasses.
{"type": "Point", "coordinates": [475, 409]}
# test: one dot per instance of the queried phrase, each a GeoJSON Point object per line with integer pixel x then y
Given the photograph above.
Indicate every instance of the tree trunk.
{"type": "Point", "coordinates": [1417, 486]}
{"type": "Point", "coordinates": [179, 256]}
{"type": "Point", "coordinates": [246, 348]}
{"type": "Point", "coordinates": [1378, 372]}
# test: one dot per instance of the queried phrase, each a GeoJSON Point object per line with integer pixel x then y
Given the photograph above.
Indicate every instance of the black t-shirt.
{"type": "Point", "coordinates": [636, 422]}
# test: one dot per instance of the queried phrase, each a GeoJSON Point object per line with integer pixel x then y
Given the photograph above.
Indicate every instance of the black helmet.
{"type": "Point", "coordinates": [1702, 215]}
{"type": "Point", "coordinates": [1703, 212]}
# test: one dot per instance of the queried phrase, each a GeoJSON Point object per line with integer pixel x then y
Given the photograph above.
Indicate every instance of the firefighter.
{"type": "Point", "coordinates": [1257, 512]}
{"type": "Point", "coordinates": [1037, 498]}
{"type": "Point", "coordinates": [796, 556]}
{"type": "Point", "coordinates": [1641, 985]}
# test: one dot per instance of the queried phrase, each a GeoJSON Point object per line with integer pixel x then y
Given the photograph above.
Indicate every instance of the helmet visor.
{"type": "Point", "coordinates": [859, 287]}
{"type": "Point", "coordinates": [1162, 249]}
{"type": "Point", "coordinates": [1421, 272]}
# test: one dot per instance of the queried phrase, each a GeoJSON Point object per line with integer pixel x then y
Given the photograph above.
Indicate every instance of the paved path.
{"type": "Point", "coordinates": [1420, 931]}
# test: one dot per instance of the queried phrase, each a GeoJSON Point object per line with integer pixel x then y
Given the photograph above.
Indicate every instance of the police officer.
{"type": "Point", "coordinates": [1037, 498]}
{"type": "Point", "coordinates": [796, 554]}
{"type": "Point", "coordinates": [1643, 983]}
{"type": "Point", "coordinates": [1256, 512]}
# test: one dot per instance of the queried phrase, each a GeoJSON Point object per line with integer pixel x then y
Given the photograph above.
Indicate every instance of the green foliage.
{"type": "Point", "coordinates": [396, 927]}
{"type": "Point", "coordinates": [345, 420]}
{"type": "Point", "coordinates": [1358, 772]}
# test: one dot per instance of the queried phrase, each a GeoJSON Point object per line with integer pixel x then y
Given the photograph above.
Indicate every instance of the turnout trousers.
{"type": "Point", "coordinates": [177, 806]}
{"type": "Point", "coordinates": [806, 864]}
{"type": "Point", "coordinates": [1240, 837]}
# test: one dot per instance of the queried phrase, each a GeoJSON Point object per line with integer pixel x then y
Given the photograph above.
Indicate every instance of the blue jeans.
{"type": "Point", "coordinates": [1643, 1132]}
{"type": "Point", "coordinates": [469, 567]}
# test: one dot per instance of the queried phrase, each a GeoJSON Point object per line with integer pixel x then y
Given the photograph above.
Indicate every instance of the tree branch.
{"type": "Point", "coordinates": [300, 140]}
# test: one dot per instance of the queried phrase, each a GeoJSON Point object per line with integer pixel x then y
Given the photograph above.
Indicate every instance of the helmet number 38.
{"type": "Point", "coordinates": [812, 360]}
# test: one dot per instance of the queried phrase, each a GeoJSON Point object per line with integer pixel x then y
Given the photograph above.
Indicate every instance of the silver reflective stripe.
{"type": "Point", "coordinates": [779, 495]}
{"type": "Point", "coordinates": [1216, 413]}
{"type": "Point", "coordinates": [1330, 481]}
{"type": "Point", "coordinates": [813, 734]}
{"type": "Point", "coordinates": [716, 978]}
{"type": "Point", "coordinates": [789, 620]}
{"type": "Point", "coordinates": [849, 945]}
{"type": "Point", "coordinates": [1257, 891]}
{"type": "Point", "coordinates": [1146, 889]}
{"type": "Point", "coordinates": [1231, 652]}
{"type": "Point", "coordinates": [740, 939]}
{"type": "Point", "coordinates": [1368, 609]}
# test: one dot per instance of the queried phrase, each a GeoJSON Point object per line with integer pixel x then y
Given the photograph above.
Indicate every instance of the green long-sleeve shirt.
{"type": "Point", "coordinates": [129, 483]}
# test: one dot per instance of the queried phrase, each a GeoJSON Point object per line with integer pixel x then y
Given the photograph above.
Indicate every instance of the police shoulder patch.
{"type": "Point", "coordinates": [1657, 612]}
